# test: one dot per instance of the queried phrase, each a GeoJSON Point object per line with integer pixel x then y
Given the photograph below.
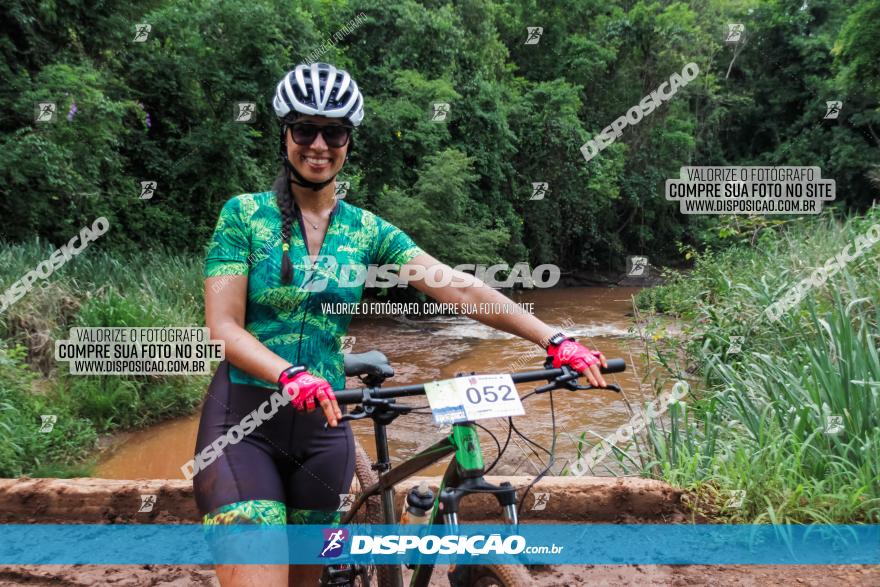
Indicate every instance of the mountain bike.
{"type": "Point", "coordinates": [463, 476]}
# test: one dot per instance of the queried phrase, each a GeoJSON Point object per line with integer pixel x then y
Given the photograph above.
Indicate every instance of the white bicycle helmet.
{"type": "Point", "coordinates": [319, 89]}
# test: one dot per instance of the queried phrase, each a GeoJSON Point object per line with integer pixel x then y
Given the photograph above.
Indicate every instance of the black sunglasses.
{"type": "Point", "coordinates": [335, 135]}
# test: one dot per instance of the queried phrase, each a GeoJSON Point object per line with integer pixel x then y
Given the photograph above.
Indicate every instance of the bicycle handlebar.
{"type": "Point", "coordinates": [356, 396]}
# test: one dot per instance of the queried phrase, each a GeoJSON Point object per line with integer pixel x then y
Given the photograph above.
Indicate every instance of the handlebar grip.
{"type": "Point", "coordinates": [614, 366]}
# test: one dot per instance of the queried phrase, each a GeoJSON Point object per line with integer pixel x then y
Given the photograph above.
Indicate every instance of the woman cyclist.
{"type": "Point", "coordinates": [267, 252]}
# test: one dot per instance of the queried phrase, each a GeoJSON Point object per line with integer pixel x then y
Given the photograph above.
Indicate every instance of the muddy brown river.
{"type": "Point", "coordinates": [426, 350]}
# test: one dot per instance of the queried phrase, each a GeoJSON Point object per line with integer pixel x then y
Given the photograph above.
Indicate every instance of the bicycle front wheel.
{"type": "Point", "coordinates": [490, 576]}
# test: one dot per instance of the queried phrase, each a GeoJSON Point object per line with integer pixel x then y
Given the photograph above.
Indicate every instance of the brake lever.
{"type": "Point", "coordinates": [358, 414]}
{"type": "Point", "coordinates": [569, 381]}
{"type": "Point", "coordinates": [575, 387]}
{"type": "Point", "coordinates": [610, 386]}
{"type": "Point", "coordinates": [387, 405]}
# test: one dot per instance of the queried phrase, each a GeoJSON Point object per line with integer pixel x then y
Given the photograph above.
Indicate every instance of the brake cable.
{"type": "Point", "coordinates": [497, 444]}
{"type": "Point", "coordinates": [551, 452]}
{"type": "Point", "coordinates": [568, 381]}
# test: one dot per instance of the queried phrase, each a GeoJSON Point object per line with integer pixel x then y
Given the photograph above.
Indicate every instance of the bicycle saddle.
{"type": "Point", "coordinates": [368, 363]}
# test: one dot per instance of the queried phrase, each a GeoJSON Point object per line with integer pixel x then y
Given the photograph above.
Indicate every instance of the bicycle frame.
{"type": "Point", "coordinates": [465, 472]}
{"type": "Point", "coordinates": [463, 475]}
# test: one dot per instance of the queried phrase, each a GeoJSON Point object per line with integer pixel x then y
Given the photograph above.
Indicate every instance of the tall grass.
{"type": "Point", "coordinates": [23, 448]}
{"type": "Point", "coordinates": [764, 422]}
{"type": "Point", "coordinates": [93, 289]}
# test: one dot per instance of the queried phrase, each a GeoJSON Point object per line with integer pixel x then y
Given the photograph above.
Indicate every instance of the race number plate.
{"type": "Point", "coordinates": [473, 397]}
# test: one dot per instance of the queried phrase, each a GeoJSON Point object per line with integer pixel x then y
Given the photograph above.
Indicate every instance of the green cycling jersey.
{"type": "Point", "coordinates": [289, 319]}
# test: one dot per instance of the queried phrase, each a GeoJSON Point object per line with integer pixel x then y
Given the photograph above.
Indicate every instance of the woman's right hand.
{"type": "Point", "coordinates": [304, 388]}
{"type": "Point", "coordinates": [583, 360]}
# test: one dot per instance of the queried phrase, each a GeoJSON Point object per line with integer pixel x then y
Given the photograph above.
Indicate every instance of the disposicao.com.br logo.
{"type": "Point", "coordinates": [477, 544]}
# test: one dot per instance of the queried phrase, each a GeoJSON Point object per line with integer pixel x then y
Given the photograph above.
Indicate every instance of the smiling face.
{"type": "Point", "coordinates": [316, 162]}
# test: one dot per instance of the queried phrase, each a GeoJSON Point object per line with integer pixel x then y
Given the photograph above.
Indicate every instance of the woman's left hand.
{"type": "Point", "coordinates": [304, 388]}
{"type": "Point", "coordinates": [580, 358]}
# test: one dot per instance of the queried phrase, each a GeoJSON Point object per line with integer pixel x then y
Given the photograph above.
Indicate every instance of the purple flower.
{"type": "Point", "coordinates": [72, 112]}
{"type": "Point", "coordinates": [148, 121]}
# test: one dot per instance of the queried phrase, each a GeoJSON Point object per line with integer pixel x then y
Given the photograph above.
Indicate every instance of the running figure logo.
{"type": "Point", "coordinates": [147, 503]}
{"type": "Point", "coordinates": [637, 266]}
{"type": "Point", "coordinates": [346, 500]}
{"type": "Point", "coordinates": [342, 189]}
{"type": "Point", "coordinates": [48, 422]}
{"type": "Point", "coordinates": [541, 501]}
{"type": "Point", "coordinates": [148, 188]}
{"type": "Point", "coordinates": [736, 499]}
{"type": "Point", "coordinates": [245, 111]}
{"type": "Point", "coordinates": [334, 539]}
{"type": "Point", "coordinates": [45, 111]}
{"type": "Point", "coordinates": [439, 111]}
{"type": "Point", "coordinates": [347, 344]}
{"type": "Point", "coordinates": [539, 190]}
{"type": "Point", "coordinates": [833, 108]}
{"type": "Point", "coordinates": [736, 343]}
{"type": "Point", "coordinates": [142, 32]}
{"type": "Point", "coordinates": [833, 425]}
{"type": "Point", "coordinates": [734, 33]}
{"type": "Point", "coordinates": [535, 33]}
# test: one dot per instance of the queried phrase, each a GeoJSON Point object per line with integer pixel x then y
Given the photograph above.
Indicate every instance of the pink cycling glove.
{"type": "Point", "coordinates": [304, 388]}
{"type": "Point", "coordinates": [573, 354]}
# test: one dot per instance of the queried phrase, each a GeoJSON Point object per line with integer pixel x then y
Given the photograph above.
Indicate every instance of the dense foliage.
{"type": "Point", "coordinates": [785, 424]}
{"type": "Point", "coordinates": [162, 110]}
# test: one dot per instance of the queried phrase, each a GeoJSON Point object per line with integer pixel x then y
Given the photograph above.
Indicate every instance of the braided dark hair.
{"type": "Point", "coordinates": [284, 199]}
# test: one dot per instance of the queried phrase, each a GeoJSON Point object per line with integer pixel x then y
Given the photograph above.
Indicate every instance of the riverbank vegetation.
{"type": "Point", "coordinates": [785, 425]}
{"type": "Point", "coordinates": [95, 289]}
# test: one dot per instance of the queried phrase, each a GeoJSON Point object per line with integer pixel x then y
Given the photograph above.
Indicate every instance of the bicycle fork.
{"type": "Point", "coordinates": [460, 575]}
{"type": "Point", "coordinates": [470, 469]}
{"type": "Point", "coordinates": [450, 498]}
{"type": "Point", "coordinates": [468, 478]}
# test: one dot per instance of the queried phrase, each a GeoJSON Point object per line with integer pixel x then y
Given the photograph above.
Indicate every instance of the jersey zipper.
{"type": "Point", "coordinates": [302, 231]}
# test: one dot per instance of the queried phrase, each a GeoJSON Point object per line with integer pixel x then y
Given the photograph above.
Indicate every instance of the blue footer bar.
{"type": "Point", "coordinates": [643, 544]}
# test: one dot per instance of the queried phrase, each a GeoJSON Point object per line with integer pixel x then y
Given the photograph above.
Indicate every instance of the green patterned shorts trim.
{"type": "Point", "coordinates": [268, 512]}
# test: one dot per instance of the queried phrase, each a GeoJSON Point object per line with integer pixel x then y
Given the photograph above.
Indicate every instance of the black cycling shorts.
{"type": "Point", "coordinates": [289, 461]}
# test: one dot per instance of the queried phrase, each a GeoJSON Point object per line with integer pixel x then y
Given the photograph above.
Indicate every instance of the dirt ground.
{"type": "Point", "coordinates": [633, 501]}
{"type": "Point", "coordinates": [561, 576]}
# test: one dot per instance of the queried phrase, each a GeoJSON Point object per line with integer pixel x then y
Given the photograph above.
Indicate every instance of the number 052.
{"type": "Point", "coordinates": [474, 395]}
